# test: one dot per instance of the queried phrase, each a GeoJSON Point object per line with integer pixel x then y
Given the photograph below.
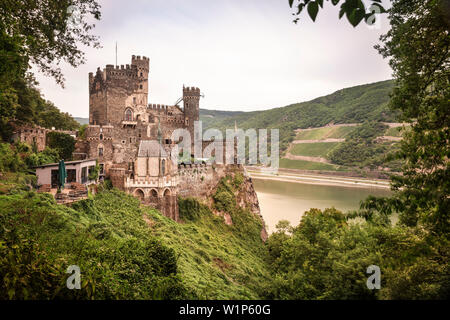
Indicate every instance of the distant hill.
{"type": "Point", "coordinates": [82, 120]}
{"type": "Point", "coordinates": [349, 105]}
{"type": "Point", "coordinates": [208, 117]}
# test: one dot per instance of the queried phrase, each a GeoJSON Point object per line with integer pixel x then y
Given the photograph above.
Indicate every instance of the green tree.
{"type": "Point", "coordinates": [41, 33]}
{"type": "Point", "coordinates": [354, 10]}
{"type": "Point", "coordinates": [64, 143]}
{"type": "Point", "coordinates": [418, 47]}
{"type": "Point", "coordinates": [50, 31]}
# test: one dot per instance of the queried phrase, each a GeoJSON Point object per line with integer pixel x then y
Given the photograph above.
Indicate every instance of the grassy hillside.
{"type": "Point", "coordinates": [325, 133]}
{"type": "Point", "coordinates": [321, 149]}
{"type": "Point", "coordinates": [350, 105]}
{"type": "Point", "coordinates": [105, 236]}
{"type": "Point", "coordinates": [211, 117]}
{"type": "Point", "coordinates": [215, 260]}
{"type": "Point", "coordinates": [125, 250]}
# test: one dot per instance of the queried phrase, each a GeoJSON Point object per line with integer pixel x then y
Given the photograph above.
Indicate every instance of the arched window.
{"type": "Point", "coordinates": [128, 115]}
{"type": "Point", "coordinates": [100, 150]}
{"type": "Point", "coordinates": [140, 194]}
{"type": "Point", "coordinates": [163, 167]}
{"type": "Point", "coordinates": [166, 193]}
{"type": "Point", "coordinates": [101, 136]}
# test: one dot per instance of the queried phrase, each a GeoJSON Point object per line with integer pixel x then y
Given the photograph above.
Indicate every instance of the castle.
{"type": "Point", "coordinates": [132, 139]}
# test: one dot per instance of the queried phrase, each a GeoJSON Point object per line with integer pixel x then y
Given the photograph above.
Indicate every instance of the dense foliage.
{"type": "Point", "coordinates": [64, 143]}
{"type": "Point", "coordinates": [354, 10]}
{"type": "Point", "coordinates": [326, 257]}
{"type": "Point", "coordinates": [20, 157]}
{"type": "Point", "coordinates": [48, 32]}
{"type": "Point", "coordinates": [362, 149]}
{"type": "Point", "coordinates": [105, 236]}
{"type": "Point", "coordinates": [42, 33]}
{"type": "Point", "coordinates": [351, 105]}
{"type": "Point", "coordinates": [418, 46]}
{"type": "Point", "coordinates": [217, 260]}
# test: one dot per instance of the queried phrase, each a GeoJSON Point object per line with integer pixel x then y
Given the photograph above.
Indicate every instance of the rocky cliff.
{"type": "Point", "coordinates": [202, 182]}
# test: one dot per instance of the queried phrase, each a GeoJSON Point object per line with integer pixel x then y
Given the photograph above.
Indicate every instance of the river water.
{"type": "Point", "coordinates": [280, 200]}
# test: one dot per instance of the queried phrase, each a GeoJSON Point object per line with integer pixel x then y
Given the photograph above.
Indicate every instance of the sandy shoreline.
{"type": "Point", "coordinates": [322, 180]}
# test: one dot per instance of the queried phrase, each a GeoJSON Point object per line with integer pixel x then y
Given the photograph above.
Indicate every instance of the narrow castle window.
{"type": "Point", "coordinates": [142, 74]}
{"type": "Point", "coordinates": [100, 152]}
{"type": "Point", "coordinates": [163, 167]}
{"type": "Point", "coordinates": [134, 100]}
{"type": "Point", "coordinates": [128, 115]}
{"type": "Point", "coordinates": [140, 86]}
{"type": "Point", "coordinates": [101, 136]}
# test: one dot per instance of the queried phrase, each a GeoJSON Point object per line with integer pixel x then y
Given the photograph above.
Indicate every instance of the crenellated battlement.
{"type": "Point", "coordinates": [159, 107]}
{"type": "Point", "coordinates": [144, 58]}
{"type": "Point", "coordinates": [191, 91]}
{"type": "Point", "coordinates": [141, 63]}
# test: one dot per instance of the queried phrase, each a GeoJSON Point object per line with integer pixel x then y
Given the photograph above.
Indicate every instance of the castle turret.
{"type": "Point", "coordinates": [191, 98]}
{"type": "Point", "coordinates": [143, 67]}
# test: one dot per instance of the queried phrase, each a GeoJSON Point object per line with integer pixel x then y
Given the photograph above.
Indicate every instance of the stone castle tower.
{"type": "Point", "coordinates": [122, 125]}
{"type": "Point", "coordinates": [116, 89]}
{"type": "Point", "coordinates": [191, 98]}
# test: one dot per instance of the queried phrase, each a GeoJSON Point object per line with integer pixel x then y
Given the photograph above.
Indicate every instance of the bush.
{"type": "Point", "coordinates": [326, 257]}
{"type": "Point", "coordinates": [10, 159]}
{"type": "Point", "coordinates": [191, 209]}
{"type": "Point", "coordinates": [106, 237]}
{"type": "Point", "coordinates": [64, 143]}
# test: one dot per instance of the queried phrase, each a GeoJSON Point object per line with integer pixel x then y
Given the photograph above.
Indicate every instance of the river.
{"type": "Point", "coordinates": [282, 200]}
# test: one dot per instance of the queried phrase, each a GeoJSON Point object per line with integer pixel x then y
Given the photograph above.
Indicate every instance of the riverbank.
{"type": "Point", "coordinates": [319, 179]}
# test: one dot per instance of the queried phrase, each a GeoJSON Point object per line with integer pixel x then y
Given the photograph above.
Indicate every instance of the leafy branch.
{"type": "Point", "coordinates": [354, 10]}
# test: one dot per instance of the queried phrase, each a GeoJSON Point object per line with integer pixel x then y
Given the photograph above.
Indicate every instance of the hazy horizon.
{"type": "Point", "coordinates": [244, 56]}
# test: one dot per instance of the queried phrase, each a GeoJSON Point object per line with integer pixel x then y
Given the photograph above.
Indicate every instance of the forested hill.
{"type": "Point", "coordinates": [206, 116]}
{"type": "Point", "coordinates": [22, 104]}
{"type": "Point", "coordinates": [349, 105]}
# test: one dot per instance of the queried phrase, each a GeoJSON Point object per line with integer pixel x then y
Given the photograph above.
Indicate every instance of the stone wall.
{"type": "Point", "coordinates": [36, 135]}
{"type": "Point", "coordinates": [118, 176]}
{"type": "Point", "coordinates": [200, 181]}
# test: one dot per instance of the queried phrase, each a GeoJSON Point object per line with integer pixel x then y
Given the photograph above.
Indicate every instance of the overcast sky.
{"type": "Point", "coordinates": [243, 54]}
